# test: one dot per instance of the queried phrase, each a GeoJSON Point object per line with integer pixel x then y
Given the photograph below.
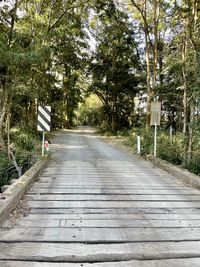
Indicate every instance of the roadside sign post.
{"type": "Point", "coordinates": [43, 140]}
{"type": "Point", "coordinates": [171, 134]}
{"type": "Point", "coordinates": [155, 121]}
{"type": "Point", "coordinates": [155, 140]}
{"type": "Point", "coordinates": [44, 122]}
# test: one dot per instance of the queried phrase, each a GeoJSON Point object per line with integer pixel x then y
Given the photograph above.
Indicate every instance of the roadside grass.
{"type": "Point", "coordinates": [172, 151]}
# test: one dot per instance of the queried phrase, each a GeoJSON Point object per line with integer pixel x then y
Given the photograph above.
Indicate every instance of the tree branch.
{"type": "Point", "coordinates": [146, 26]}
{"type": "Point", "coordinates": [61, 16]}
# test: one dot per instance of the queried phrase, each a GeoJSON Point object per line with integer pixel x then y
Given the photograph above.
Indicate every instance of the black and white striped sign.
{"type": "Point", "coordinates": [44, 118]}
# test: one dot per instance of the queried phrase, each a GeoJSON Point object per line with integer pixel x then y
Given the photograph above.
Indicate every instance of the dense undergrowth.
{"type": "Point", "coordinates": [172, 151]}
{"type": "Point", "coordinates": [25, 147]}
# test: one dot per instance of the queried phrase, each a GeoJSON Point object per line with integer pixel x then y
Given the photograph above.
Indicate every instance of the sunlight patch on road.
{"type": "Point", "coordinates": [62, 146]}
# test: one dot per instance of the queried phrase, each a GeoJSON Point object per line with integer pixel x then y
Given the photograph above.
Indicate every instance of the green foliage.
{"type": "Point", "coordinates": [90, 111]}
{"type": "Point", "coordinates": [146, 140]}
{"type": "Point", "coordinates": [172, 152]}
{"type": "Point", "coordinates": [25, 148]}
{"type": "Point", "coordinates": [147, 143]}
{"type": "Point", "coordinates": [25, 141]}
{"type": "Point", "coordinates": [25, 159]}
{"type": "Point", "coordinates": [194, 164]}
{"type": "Point", "coordinates": [115, 67]}
{"type": "Point", "coordinates": [7, 170]}
{"type": "Point", "coordinates": [45, 58]}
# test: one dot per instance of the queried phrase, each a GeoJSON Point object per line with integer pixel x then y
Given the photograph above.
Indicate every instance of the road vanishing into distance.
{"type": "Point", "coordinates": [95, 205]}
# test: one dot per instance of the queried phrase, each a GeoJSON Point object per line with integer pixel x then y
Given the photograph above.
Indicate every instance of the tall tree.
{"type": "Point", "coordinates": [115, 65]}
{"type": "Point", "coordinates": [149, 14]}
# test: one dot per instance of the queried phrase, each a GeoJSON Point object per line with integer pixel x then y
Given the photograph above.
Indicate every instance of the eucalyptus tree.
{"type": "Point", "coordinates": [69, 45]}
{"type": "Point", "coordinates": [46, 19]}
{"type": "Point", "coordinates": [150, 16]}
{"type": "Point", "coordinates": [31, 33]}
{"type": "Point", "coordinates": [187, 50]}
{"type": "Point", "coordinates": [8, 17]}
{"type": "Point", "coordinates": [115, 64]}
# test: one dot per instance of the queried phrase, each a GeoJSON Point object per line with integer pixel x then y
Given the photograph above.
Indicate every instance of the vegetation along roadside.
{"type": "Point", "coordinates": [101, 63]}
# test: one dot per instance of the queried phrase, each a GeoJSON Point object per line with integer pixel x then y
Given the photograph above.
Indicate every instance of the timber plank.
{"type": "Point", "coordinates": [122, 216]}
{"type": "Point", "coordinates": [94, 206]}
{"type": "Point", "coordinates": [57, 197]}
{"type": "Point", "coordinates": [79, 223]}
{"type": "Point", "coordinates": [112, 191]}
{"type": "Point", "coordinates": [193, 262]}
{"type": "Point", "coordinates": [82, 187]}
{"type": "Point", "coordinates": [96, 180]}
{"type": "Point", "coordinates": [98, 235]}
{"type": "Point", "coordinates": [114, 211]}
{"type": "Point", "coordinates": [111, 204]}
{"type": "Point", "coordinates": [98, 252]}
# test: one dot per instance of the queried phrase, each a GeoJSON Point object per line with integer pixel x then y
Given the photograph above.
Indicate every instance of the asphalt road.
{"type": "Point", "coordinates": [97, 206]}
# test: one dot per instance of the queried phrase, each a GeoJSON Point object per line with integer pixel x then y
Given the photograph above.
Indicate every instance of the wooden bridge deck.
{"type": "Point", "coordinates": [96, 206]}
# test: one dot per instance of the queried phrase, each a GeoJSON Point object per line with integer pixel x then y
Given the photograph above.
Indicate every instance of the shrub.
{"type": "Point", "coordinates": [146, 140]}
{"type": "Point", "coordinates": [7, 169]}
{"type": "Point", "coordinates": [24, 147]}
{"type": "Point", "coordinates": [194, 164]}
{"type": "Point", "coordinates": [147, 143]}
{"type": "Point", "coordinates": [25, 141]}
{"type": "Point", "coordinates": [25, 159]}
{"type": "Point", "coordinates": [170, 152]}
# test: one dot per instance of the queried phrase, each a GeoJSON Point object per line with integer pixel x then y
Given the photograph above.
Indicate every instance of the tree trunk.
{"type": "Point", "coordinates": [185, 97]}
{"type": "Point", "coordinates": [114, 119]}
{"type": "Point", "coordinates": [192, 25]}
{"type": "Point", "coordinates": [155, 47]}
{"type": "Point", "coordinates": [5, 92]}
{"type": "Point", "coordinates": [8, 133]}
{"type": "Point", "coordinates": [190, 134]}
{"type": "Point", "coordinates": [151, 70]}
{"type": "Point", "coordinates": [148, 81]}
{"type": "Point", "coordinates": [2, 118]}
{"type": "Point", "coordinates": [142, 8]}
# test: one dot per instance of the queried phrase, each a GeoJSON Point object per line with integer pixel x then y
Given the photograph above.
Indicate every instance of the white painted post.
{"type": "Point", "coordinates": [138, 145]}
{"type": "Point", "coordinates": [43, 140]}
{"type": "Point", "coordinates": [155, 140]}
{"type": "Point", "coordinates": [170, 133]}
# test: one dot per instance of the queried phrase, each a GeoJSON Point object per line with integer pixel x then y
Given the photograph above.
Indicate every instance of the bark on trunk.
{"type": "Point", "coordinates": [190, 133]}
{"type": "Point", "coordinates": [148, 81]}
{"type": "Point", "coordinates": [192, 37]}
{"type": "Point", "coordinates": [151, 50]}
{"type": "Point", "coordinates": [2, 118]}
{"type": "Point", "coordinates": [114, 115]}
{"type": "Point", "coordinates": [185, 97]}
{"type": "Point", "coordinates": [155, 48]}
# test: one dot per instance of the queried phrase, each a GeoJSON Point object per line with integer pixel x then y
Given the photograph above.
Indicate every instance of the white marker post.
{"type": "Point", "coordinates": [138, 145]}
{"type": "Point", "coordinates": [170, 134]}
